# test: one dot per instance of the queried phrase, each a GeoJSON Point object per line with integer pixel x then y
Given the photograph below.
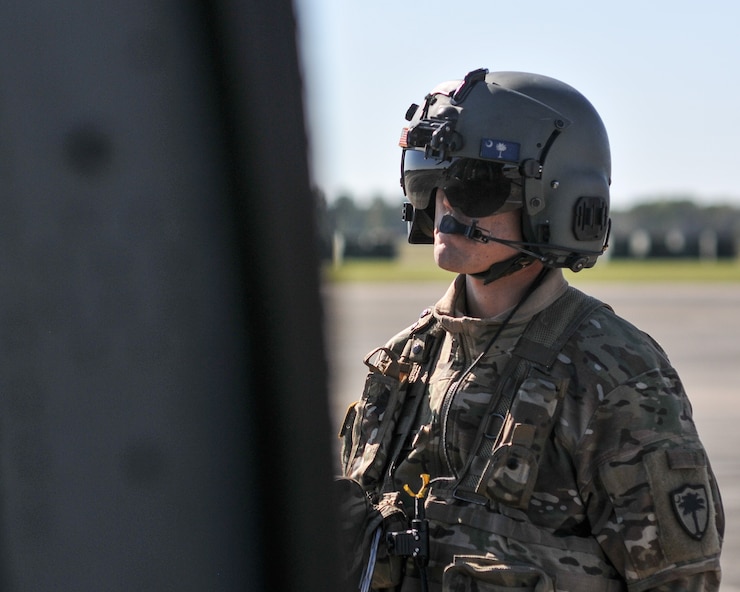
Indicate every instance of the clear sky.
{"type": "Point", "coordinates": [664, 75]}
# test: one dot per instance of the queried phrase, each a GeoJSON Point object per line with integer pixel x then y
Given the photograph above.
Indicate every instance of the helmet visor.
{"type": "Point", "coordinates": [477, 188]}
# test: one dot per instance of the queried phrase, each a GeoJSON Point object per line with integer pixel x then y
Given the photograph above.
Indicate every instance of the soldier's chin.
{"type": "Point", "coordinates": [446, 257]}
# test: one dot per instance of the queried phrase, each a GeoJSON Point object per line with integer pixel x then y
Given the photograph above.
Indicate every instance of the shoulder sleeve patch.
{"type": "Point", "coordinates": [691, 506]}
{"type": "Point", "coordinates": [667, 512]}
{"type": "Point", "coordinates": [685, 510]}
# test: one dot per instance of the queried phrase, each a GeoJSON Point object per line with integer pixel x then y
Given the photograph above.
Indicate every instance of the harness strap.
{"type": "Point", "coordinates": [538, 347]}
{"type": "Point", "coordinates": [418, 349]}
{"type": "Point", "coordinates": [439, 509]}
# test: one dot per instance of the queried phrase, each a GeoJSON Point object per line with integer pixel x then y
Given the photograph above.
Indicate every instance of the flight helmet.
{"type": "Point", "coordinates": [497, 141]}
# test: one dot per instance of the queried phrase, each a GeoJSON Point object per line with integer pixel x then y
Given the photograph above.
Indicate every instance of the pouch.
{"type": "Point", "coordinates": [477, 573]}
{"type": "Point", "coordinates": [389, 568]}
{"type": "Point", "coordinates": [358, 519]}
{"type": "Point", "coordinates": [511, 471]}
{"type": "Point", "coordinates": [369, 426]}
{"type": "Point", "coordinates": [361, 522]}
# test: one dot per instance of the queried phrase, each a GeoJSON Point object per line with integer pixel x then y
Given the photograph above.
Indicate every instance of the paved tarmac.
{"type": "Point", "coordinates": [698, 325]}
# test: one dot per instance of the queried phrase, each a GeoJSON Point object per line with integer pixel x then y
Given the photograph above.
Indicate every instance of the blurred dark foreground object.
{"type": "Point", "coordinates": [163, 412]}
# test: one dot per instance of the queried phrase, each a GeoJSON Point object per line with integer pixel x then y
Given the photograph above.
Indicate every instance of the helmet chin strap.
{"type": "Point", "coordinates": [504, 268]}
{"type": "Point", "coordinates": [450, 225]}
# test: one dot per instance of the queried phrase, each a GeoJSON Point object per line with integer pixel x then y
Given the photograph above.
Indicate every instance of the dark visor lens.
{"type": "Point", "coordinates": [477, 188]}
{"type": "Point", "coordinates": [421, 176]}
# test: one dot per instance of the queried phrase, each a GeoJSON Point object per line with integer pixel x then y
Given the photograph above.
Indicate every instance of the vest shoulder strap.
{"type": "Point", "coordinates": [549, 331]}
{"type": "Point", "coordinates": [526, 424]}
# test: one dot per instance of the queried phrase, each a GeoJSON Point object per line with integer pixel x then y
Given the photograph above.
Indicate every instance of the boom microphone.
{"type": "Point", "coordinates": [451, 225]}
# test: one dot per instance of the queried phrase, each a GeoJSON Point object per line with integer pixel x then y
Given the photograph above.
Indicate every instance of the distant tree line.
{"type": "Point", "coordinates": [676, 228]}
{"type": "Point", "coordinates": [371, 230]}
{"type": "Point", "coordinates": [661, 228]}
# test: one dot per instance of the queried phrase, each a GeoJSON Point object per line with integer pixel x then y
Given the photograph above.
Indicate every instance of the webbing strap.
{"type": "Point", "coordinates": [439, 509]}
{"type": "Point", "coordinates": [543, 338]}
{"type": "Point", "coordinates": [548, 332]}
{"type": "Point", "coordinates": [488, 432]}
{"type": "Point", "coordinates": [420, 347]}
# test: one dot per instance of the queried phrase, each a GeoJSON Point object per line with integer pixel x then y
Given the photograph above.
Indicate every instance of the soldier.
{"type": "Point", "coordinates": [520, 435]}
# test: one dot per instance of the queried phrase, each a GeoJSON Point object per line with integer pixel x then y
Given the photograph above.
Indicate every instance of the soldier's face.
{"type": "Point", "coordinates": [457, 253]}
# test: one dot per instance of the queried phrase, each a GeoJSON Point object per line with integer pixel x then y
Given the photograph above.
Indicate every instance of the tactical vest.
{"type": "Point", "coordinates": [481, 509]}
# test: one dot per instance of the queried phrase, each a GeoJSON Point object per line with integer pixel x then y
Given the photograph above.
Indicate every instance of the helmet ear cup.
{"type": "Point", "coordinates": [567, 214]}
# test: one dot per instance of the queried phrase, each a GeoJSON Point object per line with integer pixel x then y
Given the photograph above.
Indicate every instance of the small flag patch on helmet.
{"type": "Point", "coordinates": [499, 150]}
{"type": "Point", "coordinates": [404, 141]}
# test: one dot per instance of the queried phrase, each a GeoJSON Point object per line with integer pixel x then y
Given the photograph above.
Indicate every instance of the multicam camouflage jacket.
{"type": "Point", "coordinates": [591, 477]}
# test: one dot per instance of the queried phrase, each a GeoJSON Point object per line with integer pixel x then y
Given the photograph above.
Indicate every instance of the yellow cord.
{"type": "Point", "coordinates": [423, 491]}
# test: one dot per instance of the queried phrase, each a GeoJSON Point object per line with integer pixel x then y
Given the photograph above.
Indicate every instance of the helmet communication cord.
{"type": "Point", "coordinates": [450, 225]}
